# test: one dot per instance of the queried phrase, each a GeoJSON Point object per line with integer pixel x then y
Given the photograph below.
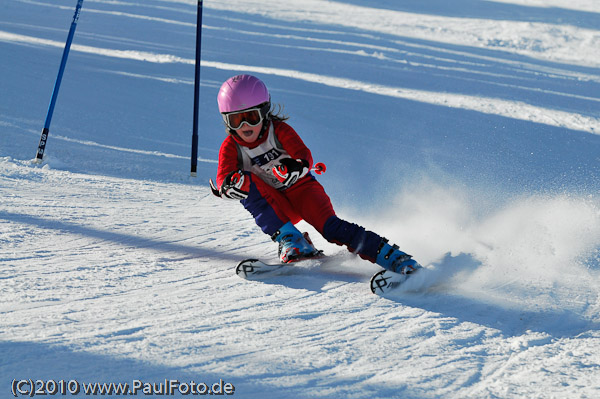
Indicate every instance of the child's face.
{"type": "Point", "coordinates": [249, 133]}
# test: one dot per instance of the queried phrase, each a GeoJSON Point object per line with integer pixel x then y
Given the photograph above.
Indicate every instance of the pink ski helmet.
{"type": "Point", "coordinates": [242, 92]}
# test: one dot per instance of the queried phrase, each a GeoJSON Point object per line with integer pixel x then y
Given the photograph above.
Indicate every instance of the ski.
{"type": "Point", "coordinates": [386, 281]}
{"type": "Point", "coordinates": [382, 282]}
{"type": "Point", "coordinates": [255, 269]}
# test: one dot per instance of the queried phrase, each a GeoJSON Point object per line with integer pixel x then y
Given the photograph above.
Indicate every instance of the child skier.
{"type": "Point", "coordinates": [264, 164]}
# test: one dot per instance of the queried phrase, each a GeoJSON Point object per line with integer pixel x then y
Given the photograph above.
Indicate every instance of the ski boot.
{"type": "Point", "coordinates": [293, 245]}
{"type": "Point", "coordinates": [391, 258]}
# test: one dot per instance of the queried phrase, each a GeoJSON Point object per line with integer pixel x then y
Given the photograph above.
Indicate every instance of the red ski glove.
{"type": "Point", "coordinates": [235, 186]}
{"type": "Point", "coordinates": [289, 170]}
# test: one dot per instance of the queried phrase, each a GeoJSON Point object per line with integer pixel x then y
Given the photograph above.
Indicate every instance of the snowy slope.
{"type": "Point", "coordinates": [469, 134]}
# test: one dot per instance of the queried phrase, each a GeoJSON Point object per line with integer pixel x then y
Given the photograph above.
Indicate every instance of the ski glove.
{"type": "Point", "coordinates": [235, 186]}
{"type": "Point", "coordinates": [289, 170]}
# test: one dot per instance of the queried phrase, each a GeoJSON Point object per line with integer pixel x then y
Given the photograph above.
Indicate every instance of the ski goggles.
{"type": "Point", "coordinates": [252, 117]}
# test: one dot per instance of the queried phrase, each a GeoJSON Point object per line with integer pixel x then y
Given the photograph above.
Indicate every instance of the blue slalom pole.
{"type": "Point", "coordinates": [197, 90]}
{"type": "Point", "coordinates": [46, 130]}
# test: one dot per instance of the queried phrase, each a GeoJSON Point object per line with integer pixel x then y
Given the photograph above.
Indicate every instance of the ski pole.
{"type": "Point", "coordinates": [319, 168]}
{"type": "Point", "coordinates": [281, 173]}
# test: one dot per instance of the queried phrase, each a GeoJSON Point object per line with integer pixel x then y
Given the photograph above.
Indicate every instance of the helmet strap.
{"type": "Point", "coordinates": [265, 127]}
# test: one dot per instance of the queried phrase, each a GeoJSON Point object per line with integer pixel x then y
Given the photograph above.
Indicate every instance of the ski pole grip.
{"type": "Point", "coordinates": [280, 172]}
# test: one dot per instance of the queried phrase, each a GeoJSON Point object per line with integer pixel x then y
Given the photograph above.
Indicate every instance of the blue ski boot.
{"type": "Point", "coordinates": [293, 246]}
{"type": "Point", "coordinates": [391, 258]}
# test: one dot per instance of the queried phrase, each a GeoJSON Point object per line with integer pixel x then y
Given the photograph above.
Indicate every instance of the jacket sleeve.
{"type": "Point", "coordinates": [292, 143]}
{"type": "Point", "coordinates": [228, 160]}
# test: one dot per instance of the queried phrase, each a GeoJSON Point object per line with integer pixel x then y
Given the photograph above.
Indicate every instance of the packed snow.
{"type": "Point", "coordinates": [467, 132]}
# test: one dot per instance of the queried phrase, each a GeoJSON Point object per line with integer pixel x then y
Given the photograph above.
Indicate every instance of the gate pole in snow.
{"type": "Point", "coordinates": [197, 90]}
{"type": "Point", "coordinates": [46, 130]}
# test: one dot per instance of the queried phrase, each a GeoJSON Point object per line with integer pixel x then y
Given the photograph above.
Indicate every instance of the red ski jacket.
{"type": "Point", "coordinates": [280, 140]}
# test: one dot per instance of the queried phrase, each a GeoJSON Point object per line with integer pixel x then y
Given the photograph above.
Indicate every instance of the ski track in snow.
{"type": "Point", "coordinates": [159, 284]}
{"type": "Point", "coordinates": [105, 277]}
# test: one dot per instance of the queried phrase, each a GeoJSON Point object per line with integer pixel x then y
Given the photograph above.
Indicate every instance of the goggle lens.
{"type": "Point", "coordinates": [235, 120]}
